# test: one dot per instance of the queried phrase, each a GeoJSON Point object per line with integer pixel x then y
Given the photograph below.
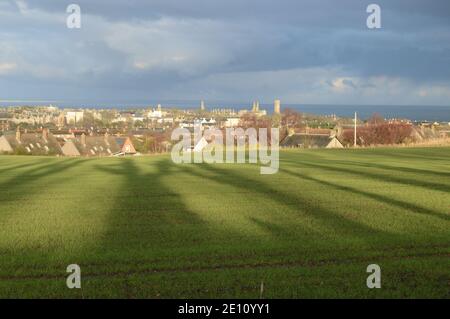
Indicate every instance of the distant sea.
{"type": "Point", "coordinates": [412, 112]}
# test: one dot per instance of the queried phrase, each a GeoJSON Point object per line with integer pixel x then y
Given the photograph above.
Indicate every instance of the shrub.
{"type": "Point", "coordinates": [384, 133]}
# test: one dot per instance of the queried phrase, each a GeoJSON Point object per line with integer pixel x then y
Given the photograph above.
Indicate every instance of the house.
{"type": "Point", "coordinates": [304, 140]}
{"type": "Point", "coordinates": [424, 133]}
{"type": "Point", "coordinates": [232, 122]}
{"type": "Point", "coordinates": [74, 117]}
{"type": "Point", "coordinates": [105, 145]}
{"type": "Point", "coordinates": [198, 147]}
{"type": "Point", "coordinates": [202, 123]}
{"type": "Point", "coordinates": [5, 145]}
{"type": "Point", "coordinates": [33, 143]}
{"type": "Point", "coordinates": [69, 149]}
{"type": "Point", "coordinates": [125, 144]}
{"type": "Point", "coordinates": [4, 123]}
{"type": "Point", "coordinates": [201, 144]}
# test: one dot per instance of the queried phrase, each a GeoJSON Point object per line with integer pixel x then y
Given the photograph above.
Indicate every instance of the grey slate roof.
{"type": "Point", "coordinates": [35, 143]}
{"type": "Point", "coordinates": [97, 146]}
{"type": "Point", "coordinates": [306, 141]}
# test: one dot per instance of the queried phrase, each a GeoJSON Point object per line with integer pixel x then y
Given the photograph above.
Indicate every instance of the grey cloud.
{"type": "Point", "coordinates": [169, 48]}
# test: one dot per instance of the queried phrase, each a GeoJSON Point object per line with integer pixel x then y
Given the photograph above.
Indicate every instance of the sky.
{"type": "Point", "coordinates": [300, 51]}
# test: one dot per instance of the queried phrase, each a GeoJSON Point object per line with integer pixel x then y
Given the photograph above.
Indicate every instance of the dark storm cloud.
{"type": "Point", "coordinates": [171, 48]}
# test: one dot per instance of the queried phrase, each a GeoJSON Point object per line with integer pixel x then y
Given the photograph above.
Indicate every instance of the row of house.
{"type": "Point", "coordinates": [45, 143]}
{"type": "Point", "coordinates": [308, 140]}
{"type": "Point", "coordinates": [312, 138]}
{"type": "Point", "coordinates": [326, 138]}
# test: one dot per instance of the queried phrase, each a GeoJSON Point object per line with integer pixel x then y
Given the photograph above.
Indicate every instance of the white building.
{"type": "Point", "coordinates": [155, 114]}
{"type": "Point", "coordinates": [74, 117]}
{"type": "Point", "coordinates": [232, 122]}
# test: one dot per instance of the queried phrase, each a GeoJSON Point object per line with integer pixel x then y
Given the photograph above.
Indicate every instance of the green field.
{"type": "Point", "coordinates": [145, 227]}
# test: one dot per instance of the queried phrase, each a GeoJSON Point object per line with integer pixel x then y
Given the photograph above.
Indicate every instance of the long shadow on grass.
{"type": "Point", "coordinates": [21, 187]}
{"type": "Point", "coordinates": [384, 178]}
{"type": "Point", "coordinates": [148, 216]}
{"type": "Point", "coordinates": [7, 168]}
{"type": "Point", "coordinates": [17, 171]}
{"type": "Point", "coordinates": [326, 217]}
{"type": "Point", "coordinates": [17, 187]}
{"type": "Point", "coordinates": [428, 154]}
{"type": "Point", "coordinates": [301, 157]}
{"type": "Point", "coordinates": [402, 169]}
{"type": "Point", "coordinates": [391, 201]}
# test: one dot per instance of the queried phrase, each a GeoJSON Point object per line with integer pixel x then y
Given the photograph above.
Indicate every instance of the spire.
{"type": "Point", "coordinates": [277, 107]}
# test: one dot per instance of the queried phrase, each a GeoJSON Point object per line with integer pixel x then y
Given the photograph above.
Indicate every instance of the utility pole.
{"type": "Point", "coordinates": [356, 118]}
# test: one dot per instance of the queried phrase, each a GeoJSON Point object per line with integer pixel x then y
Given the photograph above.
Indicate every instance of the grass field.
{"type": "Point", "coordinates": [145, 227]}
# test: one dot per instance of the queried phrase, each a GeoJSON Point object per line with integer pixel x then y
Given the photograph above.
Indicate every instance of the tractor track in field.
{"type": "Point", "coordinates": [309, 264]}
